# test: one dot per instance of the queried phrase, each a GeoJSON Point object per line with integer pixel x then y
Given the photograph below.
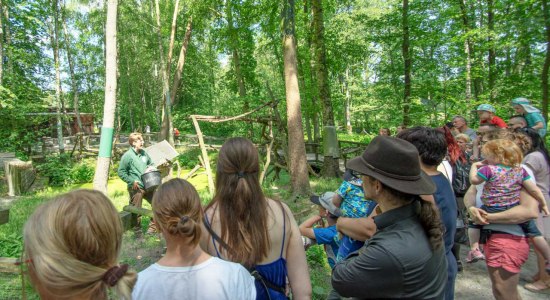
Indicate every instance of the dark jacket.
{"type": "Point", "coordinates": [397, 262]}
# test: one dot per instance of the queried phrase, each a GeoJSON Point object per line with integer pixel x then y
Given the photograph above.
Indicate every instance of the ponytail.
{"type": "Point", "coordinates": [431, 222]}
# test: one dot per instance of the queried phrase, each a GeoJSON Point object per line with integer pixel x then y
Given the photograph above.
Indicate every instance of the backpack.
{"type": "Point", "coordinates": [461, 177]}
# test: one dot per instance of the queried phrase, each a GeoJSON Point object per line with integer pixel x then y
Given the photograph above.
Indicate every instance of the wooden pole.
{"type": "Point", "coordinates": [204, 156]}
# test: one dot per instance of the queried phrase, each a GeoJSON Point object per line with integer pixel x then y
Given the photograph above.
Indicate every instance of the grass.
{"type": "Point", "coordinates": [141, 250]}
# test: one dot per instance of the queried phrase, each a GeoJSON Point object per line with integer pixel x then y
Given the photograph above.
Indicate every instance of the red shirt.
{"type": "Point", "coordinates": [495, 121]}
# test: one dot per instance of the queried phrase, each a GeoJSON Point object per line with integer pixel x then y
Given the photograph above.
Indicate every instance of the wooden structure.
{"type": "Point", "coordinates": [20, 175]}
{"type": "Point", "coordinates": [70, 119]}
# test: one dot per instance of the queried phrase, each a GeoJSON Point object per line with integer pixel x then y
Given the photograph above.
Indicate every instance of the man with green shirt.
{"type": "Point", "coordinates": [134, 163]}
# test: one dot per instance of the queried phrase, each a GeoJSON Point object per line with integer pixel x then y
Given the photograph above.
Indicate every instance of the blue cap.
{"type": "Point", "coordinates": [486, 107]}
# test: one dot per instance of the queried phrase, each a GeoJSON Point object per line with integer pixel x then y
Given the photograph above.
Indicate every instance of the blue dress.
{"type": "Point", "coordinates": [274, 272]}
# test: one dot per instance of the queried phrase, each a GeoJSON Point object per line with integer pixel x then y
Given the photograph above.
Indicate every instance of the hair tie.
{"type": "Point", "coordinates": [184, 219]}
{"type": "Point", "coordinates": [113, 275]}
{"type": "Point", "coordinates": [240, 174]}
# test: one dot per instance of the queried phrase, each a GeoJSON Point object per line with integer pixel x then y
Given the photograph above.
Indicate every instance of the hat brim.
{"type": "Point", "coordinates": [422, 186]}
{"type": "Point", "coordinates": [315, 200]}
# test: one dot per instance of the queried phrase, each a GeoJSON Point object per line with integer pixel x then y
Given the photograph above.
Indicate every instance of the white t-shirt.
{"type": "Point", "coordinates": [211, 280]}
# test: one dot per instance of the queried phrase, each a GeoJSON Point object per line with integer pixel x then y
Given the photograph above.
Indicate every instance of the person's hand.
{"type": "Point", "coordinates": [544, 209]}
{"type": "Point", "coordinates": [478, 215]}
{"type": "Point", "coordinates": [135, 186]}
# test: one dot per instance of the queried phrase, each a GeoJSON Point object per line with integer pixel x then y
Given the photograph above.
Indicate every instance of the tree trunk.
{"type": "Point", "coordinates": [546, 66]}
{"type": "Point", "coordinates": [467, 49]}
{"type": "Point", "coordinates": [181, 61]}
{"type": "Point", "coordinates": [492, 51]}
{"type": "Point", "coordinates": [55, 48]}
{"type": "Point", "coordinates": [104, 157]}
{"type": "Point", "coordinates": [299, 176]}
{"type": "Point", "coordinates": [347, 109]}
{"type": "Point", "coordinates": [166, 127]}
{"type": "Point", "coordinates": [1, 43]}
{"type": "Point", "coordinates": [331, 167]}
{"type": "Point", "coordinates": [71, 71]}
{"type": "Point", "coordinates": [7, 37]}
{"type": "Point", "coordinates": [172, 39]}
{"type": "Point", "coordinates": [407, 64]}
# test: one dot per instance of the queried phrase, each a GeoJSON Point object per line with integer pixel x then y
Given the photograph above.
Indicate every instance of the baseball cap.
{"type": "Point", "coordinates": [325, 200]}
{"type": "Point", "coordinates": [486, 107]}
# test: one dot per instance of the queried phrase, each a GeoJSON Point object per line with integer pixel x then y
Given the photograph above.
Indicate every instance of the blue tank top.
{"type": "Point", "coordinates": [274, 272]}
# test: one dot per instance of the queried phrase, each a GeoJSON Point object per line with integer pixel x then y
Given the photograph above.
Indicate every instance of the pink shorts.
{"type": "Point", "coordinates": [506, 251]}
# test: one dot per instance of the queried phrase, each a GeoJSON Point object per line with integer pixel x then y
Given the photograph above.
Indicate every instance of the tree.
{"type": "Point", "coordinates": [331, 167]}
{"type": "Point", "coordinates": [407, 64]}
{"type": "Point", "coordinates": [104, 157]}
{"type": "Point", "coordinates": [55, 48]}
{"type": "Point", "coordinates": [546, 66]}
{"type": "Point", "coordinates": [297, 151]}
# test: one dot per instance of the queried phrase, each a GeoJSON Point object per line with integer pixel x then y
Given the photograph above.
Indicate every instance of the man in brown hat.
{"type": "Point", "coordinates": [405, 258]}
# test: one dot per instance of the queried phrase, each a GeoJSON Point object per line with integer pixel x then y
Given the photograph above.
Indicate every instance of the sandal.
{"type": "Point", "coordinates": [537, 287]}
{"type": "Point", "coordinates": [533, 278]}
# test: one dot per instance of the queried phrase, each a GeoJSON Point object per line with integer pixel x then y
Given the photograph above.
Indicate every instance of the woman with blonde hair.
{"type": "Point", "coordinates": [246, 227]}
{"type": "Point", "coordinates": [186, 271]}
{"type": "Point", "coordinates": [72, 244]}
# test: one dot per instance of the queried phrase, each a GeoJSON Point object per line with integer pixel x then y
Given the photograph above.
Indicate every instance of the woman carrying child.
{"type": "Point", "coordinates": [504, 177]}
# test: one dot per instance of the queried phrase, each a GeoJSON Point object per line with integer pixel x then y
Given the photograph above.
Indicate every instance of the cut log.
{"type": "Point", "coordinates": [20, 176]}
{"type": "Point", "coordinates": [138, 210]}
{"type": "Point", "coordinates": [128, 219]}
{"type": "Point", "coordinates": [4, 215]}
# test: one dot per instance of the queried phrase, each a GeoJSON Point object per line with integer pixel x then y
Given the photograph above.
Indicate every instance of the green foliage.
{"type": "Point", "coordinates": [62, 170]}
{"type": "Point", "coordinates": [82, 172]}
{"type": "Point", "coordinates": [57, 168]}
{"type": "Point", "coordinates": [189, 158]}
{"type": "Point", "coordinates": [11, 245]}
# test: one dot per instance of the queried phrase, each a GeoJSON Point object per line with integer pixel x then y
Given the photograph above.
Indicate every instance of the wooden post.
{"type": "Point", "coordinates": [138, 210]}
{"type": "Point", "coordinates": [330, 142]}
{"type": "Point", "coordinates": [4, 215]}
{"type": "Point", "coordinates": [204, 156]}
{"type": "Point", "coordinates": [15, 175]}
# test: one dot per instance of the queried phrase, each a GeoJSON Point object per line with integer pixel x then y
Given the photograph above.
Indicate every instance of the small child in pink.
{"type": "Point", "coordinates": [504, 178]}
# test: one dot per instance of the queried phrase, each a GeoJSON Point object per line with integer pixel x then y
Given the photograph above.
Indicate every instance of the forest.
{"type": "Point", "coordinates": [356, 64]}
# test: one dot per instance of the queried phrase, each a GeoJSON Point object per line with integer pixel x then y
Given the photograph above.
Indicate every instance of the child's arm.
{"type": "Point", "coordinates": [475, 179]}
{"type": "Point", "coordinates": [337, 200]}
{"type": "Point", "coordinates": [532, 188]}
{"type": "Point", "coordinates": [538, 125]}
{"type": "Point", "coordinates": [306, 228]}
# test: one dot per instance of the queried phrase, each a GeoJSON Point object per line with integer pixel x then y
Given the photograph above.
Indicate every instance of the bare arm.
{"type": "Point", "coordinates": [475, 149]}
{"type": "Point", "coordinates": [298, 273]}
{"type": "Point", "coordinates": [360, 229]}
{"type": "Point", "coordinates": [538, 125]}
{"type": "Point", "coordinates": [474, 178]}
{"type": "Point", "coordinates": [306, 228]}
{"type": "Point", "coordinates": [534, 190]}
{"type": "Point", "coordinates": [477, 214]}
{"type": "Point", "coordinates": [527, 210]}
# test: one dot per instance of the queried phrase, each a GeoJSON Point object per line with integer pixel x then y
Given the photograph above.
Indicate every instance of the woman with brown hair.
{"type": "Point", "coordinates": [72, 245]}
{"type": "Point", "coordinates": [186, 271]}
{"type": "Point", "coordinates": [246, 227]}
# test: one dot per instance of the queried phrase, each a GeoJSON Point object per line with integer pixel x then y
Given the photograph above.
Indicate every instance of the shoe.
{"type": "Point", "coordinates": [474, 256]}
{"type": "Point", "coordinates": [537, 287]}
{"type": "Point", "coordinates": [459, 265]}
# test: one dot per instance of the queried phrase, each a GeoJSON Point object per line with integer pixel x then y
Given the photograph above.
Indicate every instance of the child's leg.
{"type": "Point", "coordinates": [473, 236]}
{"type": "Point", "coordinates": [542, 247]}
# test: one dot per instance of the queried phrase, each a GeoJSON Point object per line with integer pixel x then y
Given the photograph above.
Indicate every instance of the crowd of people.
{"type": "Point", "coordinates": [392, 228]}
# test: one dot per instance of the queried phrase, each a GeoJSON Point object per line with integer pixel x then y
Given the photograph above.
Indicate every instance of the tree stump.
{"type": "Point", "coordinates": [4, 215]}
{"type": "Point", "coordinates": [20, 175]}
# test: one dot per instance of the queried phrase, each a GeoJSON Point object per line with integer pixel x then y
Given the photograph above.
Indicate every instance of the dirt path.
{"type": "Point", "coordinates": [474, 284]}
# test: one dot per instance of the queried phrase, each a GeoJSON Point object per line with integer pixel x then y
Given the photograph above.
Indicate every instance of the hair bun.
{"type": "Point", "coordinates": [113, 275]}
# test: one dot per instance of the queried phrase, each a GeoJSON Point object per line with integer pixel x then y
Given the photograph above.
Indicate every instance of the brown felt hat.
{"type": "Point", "coordinates": [395, 162]}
